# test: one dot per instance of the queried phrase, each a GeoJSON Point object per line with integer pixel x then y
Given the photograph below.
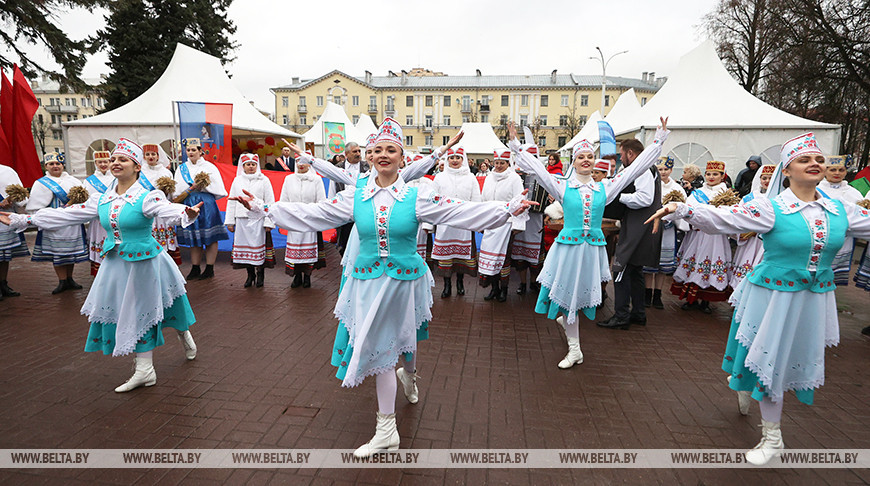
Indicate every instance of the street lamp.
{"type": "Point", "coordinates": [604, 72]}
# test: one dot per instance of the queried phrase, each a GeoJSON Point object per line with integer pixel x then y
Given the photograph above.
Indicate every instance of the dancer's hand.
{"type": "Point", "coordinates": [664, 211]}
{"type": "Point", "coordinates": [453, 141]}
{"type": "Point", "coordinates": [5, 219]}
{"type": "Point", "coordinates": [193, 211]}
{"type": "Point", "coordinates": [244, 200]}
{"type": "Point", "coordinates": [231, 228]}
{"type": "Point", "coordinates": [525, 204]}
{"type": "Point", "coordinates": [512, 131]}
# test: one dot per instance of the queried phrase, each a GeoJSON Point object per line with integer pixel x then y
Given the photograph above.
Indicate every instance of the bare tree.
{"type": "Point", "coordinates": [571, 121]}
{"type": "Point", "coordinates": [39, 127]}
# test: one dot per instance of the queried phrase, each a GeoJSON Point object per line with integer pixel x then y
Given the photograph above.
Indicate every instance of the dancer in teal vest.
{"type": "Point", "coordinates": [138, 290]}
{"type": "Point", "coordinates": [385, 304]}
{"type": "Point", "coordinates": [577, 261]}
{"type": "Point", "coordinates": [785, 312]}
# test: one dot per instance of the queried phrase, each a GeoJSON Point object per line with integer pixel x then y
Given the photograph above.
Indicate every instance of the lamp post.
{"type": "Point", "coordinates": [604, 72]}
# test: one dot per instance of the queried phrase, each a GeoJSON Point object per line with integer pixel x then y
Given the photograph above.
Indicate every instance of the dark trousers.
{"type": "Point", "coordinates": [343, 235]}
{"type": "Point", "coordinates": [629, 290]}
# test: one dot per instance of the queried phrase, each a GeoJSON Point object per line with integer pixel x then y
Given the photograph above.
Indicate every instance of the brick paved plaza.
{"type": "Point", "coordinates": [262, 379]}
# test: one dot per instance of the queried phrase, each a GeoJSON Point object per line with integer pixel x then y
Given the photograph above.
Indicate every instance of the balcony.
{"type": "Point", "coordinates": [484, 108]}
{"type": "Point", "coordinates": [302, 109]}
{"type": "Point", "coordinates": [61, 109]}
{"type": "Point", "coordinates": [466, 108]}
{"type": "Point", "coordinates": [390, 109]}
{"type": "Point", "coordinates": [373, 108]}
{"type": "Point", "coordinates": [428, 128]}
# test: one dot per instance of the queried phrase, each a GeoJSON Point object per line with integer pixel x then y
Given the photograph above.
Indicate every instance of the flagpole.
{"type": "Point", "coordinates": [175, 141]}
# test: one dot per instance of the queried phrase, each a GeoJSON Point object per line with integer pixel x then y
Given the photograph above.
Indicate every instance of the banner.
{"type": "Point", "coordinates": [25, 160]}
{"type": "Point", "coordinates": [212, 123]}
{"type": "Point", "coordinates": [333, 137]}
{"type": "Point", "coordinates": [6, 120]}
{"type": "Point", "coordinates": [606, 139]}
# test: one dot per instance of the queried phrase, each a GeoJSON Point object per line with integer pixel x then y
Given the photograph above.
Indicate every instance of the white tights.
{"type": "Point", "coordinates": [573, 330]}
{"type": "Point", "coordinates": [146, 354]}
{"type": "Point", "coordinates": [387, 385]}
{"type": "Point", "coordinates": [771, 411]}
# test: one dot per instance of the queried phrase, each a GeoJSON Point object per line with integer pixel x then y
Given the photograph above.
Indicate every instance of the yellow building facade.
{"type": "Point", "coordinates": [56, 107]}
{"type": "Point", "coordinates": [431, 106]}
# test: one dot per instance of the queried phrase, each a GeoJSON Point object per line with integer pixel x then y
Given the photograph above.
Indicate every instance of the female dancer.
{"type": "Point", "coordinates": [156, 166]}
{"type": "Point", "coordinates": [249, 242]}
{"type": "Point", "coordinates": [834, 187]}
{"type": "Point", "coordinates": [502, 184]}
{"type": "Point", "coordinates": [139, 289]}
{"type": "Point", "coordinates": [655, 276]}
{"type": "Point", "coordinates": [749, 247]}
{"type": "Point", "coordinates": [12, 244]}
{"type": "Point", "coordinates": [577, 262]}
{"type": "Point", "coordinates": [304, 249]}
{"type": "Point", "coordinates": [209, 228]}
{"type": "Point", "coordinates": [64, 246]}
{"type": "Point", "coordinates": [98, 183]}
{"type": "Point", "coordinates": [454, 248]}
{"type": "Point", "coordinates": [704, 268]}
{"type": "Point", "coordinates": [785, 312]}
{"type": "Point", "coordinates": [386, 302]}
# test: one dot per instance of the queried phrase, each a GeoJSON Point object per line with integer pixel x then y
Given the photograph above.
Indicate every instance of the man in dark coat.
{"type": "Point", "coordinates": [743, 183]}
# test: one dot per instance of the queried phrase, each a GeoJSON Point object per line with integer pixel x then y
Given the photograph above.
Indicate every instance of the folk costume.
{"type": "Point", "coordinates": [527, 248]}
{"type": "Point", "coordinates": [577, 262]}
{"type": "Point", "coordinates": [785, 311]}
{"type": "Point", "coordinates": [750, 249]}
{"type": "Point", "coordinates": [138, 290]}
{"type": "Point", "coordinates": [249, 235]}
{"type": "Point", "coordinates": [97, 183]}
{"type": "Point", "coordinates": [163, 232]}
{"type": "Point", "coordinates": [493, 258]}
{"type": "Point", "coordinates": [841, 191]}
{"type": "Point", "coordinates": [12, 244]}
{"type": "Point", "coordinates": [668, 255]}
{"type": "Point", "coordinates": [305, 251]}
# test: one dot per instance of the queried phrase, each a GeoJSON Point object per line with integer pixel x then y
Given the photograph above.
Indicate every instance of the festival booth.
{"type": "Point", "coordinates": [714, 118]}
{"type": "Point", "coordinates": [334, 113]}
{"type": "Point", "coordinates": [190, 76]}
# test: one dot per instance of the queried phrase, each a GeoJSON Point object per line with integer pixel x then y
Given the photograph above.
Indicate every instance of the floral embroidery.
{"type": "Point", "coordinates": [382, 217]}
{"type": "Point", "coordinates": [820, 237]}
{"type": "Point", "coordinates": [587, 204]}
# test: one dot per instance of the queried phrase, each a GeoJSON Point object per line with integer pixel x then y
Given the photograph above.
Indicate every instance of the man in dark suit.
{"type": "Point", "coordinates": [285, 162]}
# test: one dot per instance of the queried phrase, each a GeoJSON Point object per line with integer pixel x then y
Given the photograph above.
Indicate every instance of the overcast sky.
{"type": "Point", "coordinates": [282, 39]}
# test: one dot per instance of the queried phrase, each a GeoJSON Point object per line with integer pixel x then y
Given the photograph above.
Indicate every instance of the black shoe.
{"type": "Point", "coordinates": [689, 306]}
{"type": "Point", "coordinates": [208, 273]}
{"type": "Point", "coordinates": [615, 323]}
{"type": "Point", "coordinates": [521, 290]}
{"type": "Point", "coordinates": [647, 297]}
{"type": "Point", "coordinates": [493, 294]}
{"type": "Point", "coordinates": [447, 288]}
{"type": "Point", "coordinates": [306, 281]}
{"type": "Point", "coordinates": [251, 276]}
{"type": "Point", "coordinates": [195, 272]}
{"type": "Point", "coordinates": [535, 286]}
{"type": "Point", "coordinates": [639, 320]}
{"type": "Point", "coordinates": [502, 296]}
{"type": "Point", "coordinates": [5, 291]}
{"type": "Point", "coordinates": [705, 307]}
{"type": "Point", "coordinates": [485, 282]}
{"type": "Point", "coordinates": [866, 331]}
{"type": "Point", "coordinates": [72, 285]}
{"type": "Point", "coordinates": [61, 286]}
{"type": "Point", "coordinates": [297, 281]}
{"type": "Point", "coordinates": [657, 299]}
{"type": "Point", "coordinates": [261, 275]}
{"type": "Point", "coordinates": [460, 285]}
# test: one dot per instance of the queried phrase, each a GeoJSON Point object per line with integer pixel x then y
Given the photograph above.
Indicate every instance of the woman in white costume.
{"type": "Point", "coordinates": [834, 186]}
{"type": "Point", "coordinates": [655, 276]}
{"type": "Point", "coordinates": [750, 249]}
{"type": "Point", "coordinates": [156, 166]}
{"type": "Point", "coordinates": [98, 183]}
{"type": "Point", "coordinates": [249, 235]}
{"type": "Point", "coordinates": [304, 252]}
{"type": "Point", "coordinates": [12, 244]}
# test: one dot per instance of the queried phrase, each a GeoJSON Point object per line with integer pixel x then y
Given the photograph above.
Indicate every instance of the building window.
{"type": "Point", "coordinates": [606, 100]}
{"type": "Point", "coordinates": [84, 102]}
{"type": "Point", "coordinates": [428, 100]}
{"type": "Point", "coordinates": [466, 103]}
{"type": "Point", "coordinates": [336, 99]}
{"type": "Point", "coordinates": [563, 141]}
{"type": "Point", "coordinates": [428, 123]}
{"type": "Point", "coordinates": [409, 120]}
{"type": "Point", "coordinates": [584, 100]}
{"type": "Point", "coordinates": [542, 141]}
{"type": "Point", "coordinates": [285, 101]}
{"type": "Point", "coordinates": [524, 120]}
{"type": "Point", "coordinates": [582, 120]}
{"type": "Point", "coordinates": [643, 101]}
{"type": "Point", "coordinates": [55, 135]}
{"type": "Point", "coordinates": [428, 140]}
{"type": "Point", "coordinates": [373, 102]}
{"type": "Point", "coordinates": [391, 104]}
{"type": "Point", "coordinates": [284, 118]}
{"type": "Point", "coordinates": [524, 100]}
{"type": "Point", "coordinates": [355, 119]}
{"type": "Point", "coordinates": [302, 120]}
{"type": "Point", "coordinates": [409, 140]}
{"type": "Point", "coordinates": [447, 120]}
{"type": "Point", "coordinates": [484, 118]}
{"type": "Point", "coordinates": [505, 100]}
{"type": "Point", "coordinates": [355, 100]}
{"type": "Point", "coordinates": [409, 100]}
{"type": "Point", "coordinates": [563, 120]}
{"type": "Point", "coordinates": [445, 139]}
{"type": "Point", "coordinates": [545, 100]}
{"type": "Point", "coordinates": [466, 119]}
{"type": "Point", "coordinates": [320, 101]}
{"type": "Point", "coordinates": [53, 119]}
{"type": "Point", "coordinates": [67, 101]}
{"type": "Point", "coordinates": [502, 120]}
{"type": "Point", "coordinates": [446, 100]}
{"type": "Point", "coordinates": [543, 120]}
{"type": "Point", "coordinates": [301, 101]}
{"type": "Point", "coordinates": [564, 100]}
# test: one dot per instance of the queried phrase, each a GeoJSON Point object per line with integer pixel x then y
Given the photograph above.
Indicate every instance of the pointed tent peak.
{"type": "Point", "coordinates": [335, 113]}
{"type": "Point", "coordinates": [365, 126]}
{"type": "Point", "coordinates": [588, 132]}
{"type": "Point", "coordinates": [624, 108]}
{"type": "Point", "coordinates": [480, 138]}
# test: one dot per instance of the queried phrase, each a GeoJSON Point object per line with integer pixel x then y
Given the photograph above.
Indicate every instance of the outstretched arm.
{"type": "Point", "coordinates": [421, 168]}
{"type": "Point", "coordinates": [531, 165]}
{"type": "Point", "coordinates": [302, 217]}
{"type": "Point", "coordinates": [474, 216]}
{"type": "Point", "coordinates": [756, 216]}
{"type": "Point", "coordinates": [639, 167]}
{"type": "Point", "coordinates": [323, 167]}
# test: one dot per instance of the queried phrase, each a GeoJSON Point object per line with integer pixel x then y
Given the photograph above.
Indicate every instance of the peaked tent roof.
{"type": "Point", "coordinates": [154, 106]}
{"type": "Point", "coordinates": [479, 138]}
{"type": "Point", "coordinates": [589, 131]}
{"type": "Point", "coordinates": [365, 126]}
{"type": "Point", "coordinates": [701, 94]}
{"type": "Point", "coordinates": [624, 109]}
{"type": "Point", "coordinates": [336, 114]}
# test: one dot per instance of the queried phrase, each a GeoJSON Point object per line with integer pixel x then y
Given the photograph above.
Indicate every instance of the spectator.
{"type": "Point", "coordinates": [692, 178]}
{"type": "Point", "coordinates": [285, 162]}
{"type": "Point", "coordinates": [554, 164]}
{"type": "Point", "coordinates": [743, 183]}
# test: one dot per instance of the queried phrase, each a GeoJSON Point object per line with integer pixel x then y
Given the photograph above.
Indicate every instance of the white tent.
{"type": "Point", "coordinates": [480, 139]}
{"type": "Point", "coordinates": [714, 118]}
{"type": "Point", "coordinates": [365, 127]}
{"type": "Point", "coordinates": [588, 132]}
{"type": "Point", "coordinates": [191, 76]}
{"type": "Point", "coordinates": [623, 110]}
{"type": "Point", "coordinates": [335, 113]}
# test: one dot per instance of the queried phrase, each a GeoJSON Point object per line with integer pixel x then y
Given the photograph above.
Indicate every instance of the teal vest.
{"type": "Point", "coordinates": [393, 229]}
{"type": "Point", "coordinates": [132, 226]}
{"type": "Point", "coordinates": [583, 213]}
{"type": "Point", "coordinates": [789, 249]}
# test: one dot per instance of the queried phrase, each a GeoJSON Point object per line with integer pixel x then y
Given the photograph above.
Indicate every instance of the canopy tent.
{"type": "Point", "coordinates": [588, 132]}
{"type": "Point", "coordinates": [714, 118]}
{"type": "Point", "coordinates": [480, 139]}
{"type": "Point", "coordinates": [623, 110]}
{"type": "Point", "coordinates": [335, 113]}
{"type": "Point", "coordinates": [365, 127]}
{"type": "Point", "coordinates": [149, 118]}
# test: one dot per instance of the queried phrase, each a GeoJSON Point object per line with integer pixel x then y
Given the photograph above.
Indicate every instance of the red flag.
{"type": "Point", "coordinates": [25, 160]}
{"type": "Point", "coordinates": [6, 118]}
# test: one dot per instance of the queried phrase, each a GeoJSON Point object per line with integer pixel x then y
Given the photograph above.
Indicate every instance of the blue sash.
{"type": "Point", "coordinates": [823, 194]}
{"type": "Point", "coordinates": [748, 197]}
{"type": "Point", "coordinates": [98, 184]}
{"type": "Point", "coordinates": [145, 182]}
{"type": "Point", "coordinates": [701, 197]}
{"type": "Point", "coordinates": [185, 174]}
{"type": "Point", "coordinates": [54, 187]}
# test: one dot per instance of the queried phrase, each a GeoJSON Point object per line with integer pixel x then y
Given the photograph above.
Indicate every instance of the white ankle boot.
{"type": "Point", "coordinates": [744, 399]}
{"type": "Point", "coordinates": [143, 375]}
{"type": "Point", "coordinates": [189, 346]}
{"type": "Point", "coordinates": [771, 444]}
{"type": "Point", "coordinates": [574, 356]}
{"type": "Point", "coordinates": [409, 384]}
{"type": "Point", "coordinates": [561, 320]}
{"type": "Point", "coordinates": [386, 437]}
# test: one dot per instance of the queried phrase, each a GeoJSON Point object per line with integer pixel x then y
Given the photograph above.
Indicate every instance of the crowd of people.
{"type": "Point", "coordinates": [566, 228]}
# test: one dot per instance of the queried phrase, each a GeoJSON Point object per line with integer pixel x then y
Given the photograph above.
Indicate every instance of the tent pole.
{"type": "Point", "coordinates": [175, 140]}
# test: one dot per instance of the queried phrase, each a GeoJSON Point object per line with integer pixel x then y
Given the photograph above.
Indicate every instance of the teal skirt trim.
{"type": "Point", "coordinates": [179, 316]}
{"type": "Point", "coordinates": [551, 310]}
{"type": "Point", "coordinates": [744, 380]}
{"type": "Point", "coordinates": [342, 351]}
